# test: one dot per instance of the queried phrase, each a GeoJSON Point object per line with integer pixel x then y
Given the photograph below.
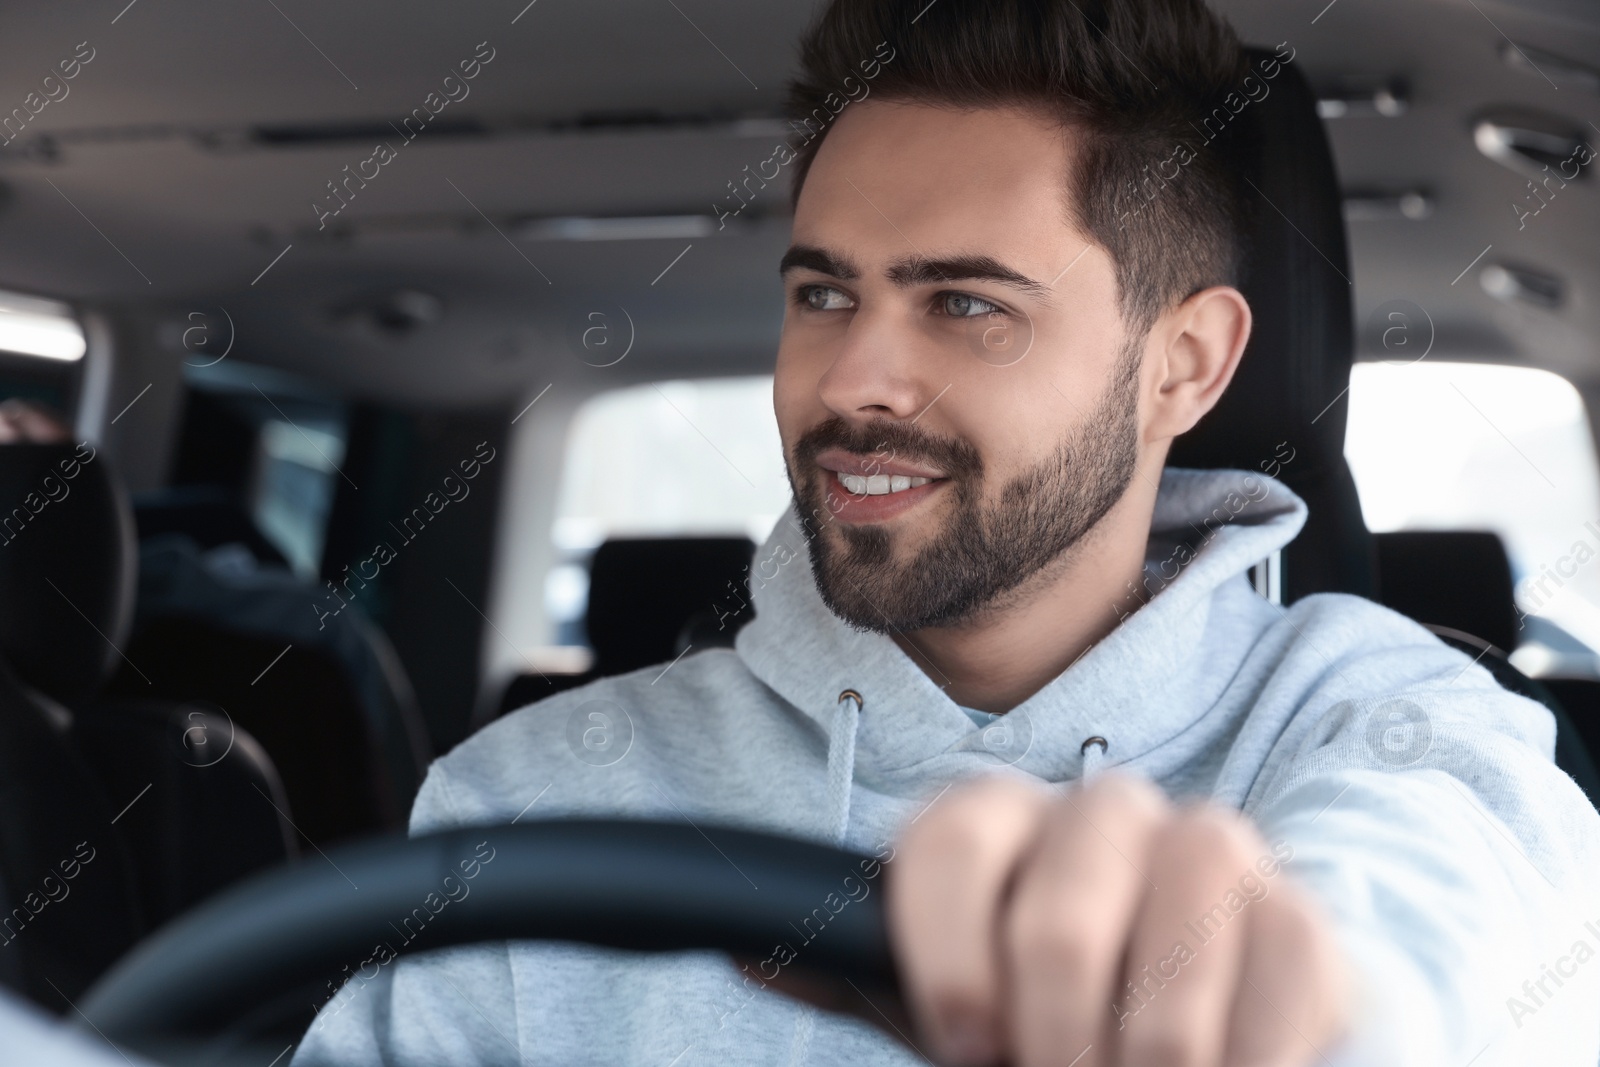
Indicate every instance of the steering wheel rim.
{"type": "Point", "coordinates": [642, 885]}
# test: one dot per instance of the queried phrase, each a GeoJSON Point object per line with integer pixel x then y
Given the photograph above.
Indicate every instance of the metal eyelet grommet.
{"type": "Point", "coordinates": [851, 694]}
{"type": "Point", "coordinates": [1096, 740]}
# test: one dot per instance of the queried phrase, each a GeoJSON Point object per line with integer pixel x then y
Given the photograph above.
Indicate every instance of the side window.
{"type": "Point", "coordinates": [264, 443]}
{"type": "Point", "coordinates": [1441, 446]}
{"type": "Point", "coordinates": [42, 346]}
{"type": "Point", "coordinates": [297, 465]}
{"type": "Point", "coordinates": [669, 459]}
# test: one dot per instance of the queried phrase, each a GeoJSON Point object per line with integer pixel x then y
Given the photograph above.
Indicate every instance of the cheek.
{"type": "Point", "coordinates": [794, 392]}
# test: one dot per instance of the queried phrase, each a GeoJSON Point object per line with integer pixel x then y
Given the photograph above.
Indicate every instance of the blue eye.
{"type": "Point", "coordinates": [823, 298]}
{"type": "Point", "coordinates": [966, 306]}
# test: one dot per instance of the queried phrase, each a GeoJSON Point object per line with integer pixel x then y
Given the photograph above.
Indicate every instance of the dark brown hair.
{"type": "Point", "coordinates": [1133, 78]}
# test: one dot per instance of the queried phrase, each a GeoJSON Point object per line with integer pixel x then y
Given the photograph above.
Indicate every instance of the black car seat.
{"type": "Point", "coordinates": [650, 600]}
{"type": "Point", "coordinates": [1285, 412]}
{"type": "Point", "coordinates": [75, 862]}
{"type": "Point", "coordinates": [210, 515]}
{"type": "Point", "coordinates": [1455, 578]}
{"type": "Point", "coordinates": [322, 690]}
{"type": "Point", "coordinates": [1458, 583]}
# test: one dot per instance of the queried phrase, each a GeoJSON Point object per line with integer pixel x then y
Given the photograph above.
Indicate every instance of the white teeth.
{"type": "Point", "coordinates": [879, 484]}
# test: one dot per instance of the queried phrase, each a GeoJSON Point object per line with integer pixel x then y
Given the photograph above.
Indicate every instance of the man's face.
{"type": "Point", "coordinates": [957, 396]}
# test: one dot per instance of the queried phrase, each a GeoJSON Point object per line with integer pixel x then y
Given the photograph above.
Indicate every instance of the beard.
{"type": "Point", "coordinates": [984, 551]}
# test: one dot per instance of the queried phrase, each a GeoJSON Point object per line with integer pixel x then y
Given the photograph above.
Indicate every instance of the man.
{"type": "Point", "coordinates": [1202, 829]}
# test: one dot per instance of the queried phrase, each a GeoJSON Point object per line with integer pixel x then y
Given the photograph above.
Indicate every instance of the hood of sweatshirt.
{"type": "Point", "coordinates": [1138, 688]}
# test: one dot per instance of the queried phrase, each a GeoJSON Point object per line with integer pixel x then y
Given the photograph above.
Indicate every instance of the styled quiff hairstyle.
{"type": "Point", "coordinates": [1133, 79]}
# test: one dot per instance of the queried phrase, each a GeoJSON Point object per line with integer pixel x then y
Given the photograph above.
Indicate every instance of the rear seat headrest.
{"type": "Point", "coordinates": [68, 567]}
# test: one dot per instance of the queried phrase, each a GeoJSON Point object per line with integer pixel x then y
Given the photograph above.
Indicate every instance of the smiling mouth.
{"type": "Point", "coordinates": [878, 484]}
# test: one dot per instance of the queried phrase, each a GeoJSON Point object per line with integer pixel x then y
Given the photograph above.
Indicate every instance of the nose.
{"type": "Point", "coordinates": [875, 372]}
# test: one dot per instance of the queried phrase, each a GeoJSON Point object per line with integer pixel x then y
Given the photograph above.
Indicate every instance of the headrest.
{"type": "Point", "coordinates": [68, 567]}
{"type": "Point", "coordinates": [642, 590]}
{"type": "Point", "coordinates": [1455, 578]}
{"type": "Point", "coordinates": [210, 515]}
{"type": "Point", "coordinates": [1284, 412]}
{"type": "Point", "coordinates": [1295, 277]}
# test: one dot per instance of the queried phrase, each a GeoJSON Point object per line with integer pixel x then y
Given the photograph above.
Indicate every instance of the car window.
{"type": "Point", "coordinates": [1483, 446]}
{"type": "Point", "coordinates": [296, 468]}
{"type": "Point", "coordinates": [694, 458]}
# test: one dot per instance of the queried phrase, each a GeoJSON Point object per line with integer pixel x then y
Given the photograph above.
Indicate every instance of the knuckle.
{"type": "Point", "coordinates": [1210, 835]}
{"type": "Point", "coordinates": [1162, 1046]}
{"type": "Point", "coordinates": [974, 821]}
{"type": "Point", "coordinates": [1043, 943]}
{"type": "Point", "coordinates": [952, 998]}
{"type": "Point", "coordinates": [1126, 809]}
{"type": "Point", "coordinates": [1294, 923]}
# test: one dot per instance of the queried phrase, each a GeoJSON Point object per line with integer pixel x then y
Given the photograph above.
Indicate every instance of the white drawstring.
{"type": "Point", "coordinates": [842, 760]}
{"type": "Point", "coordinates": [1094, 756]}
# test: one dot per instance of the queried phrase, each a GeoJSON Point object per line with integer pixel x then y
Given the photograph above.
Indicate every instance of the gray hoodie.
{"type": "Point", "coordinates": [1390, 775]}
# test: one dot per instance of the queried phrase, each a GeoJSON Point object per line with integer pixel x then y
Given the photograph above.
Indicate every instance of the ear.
{"type": "Point", "coordinates": [1195, 348]}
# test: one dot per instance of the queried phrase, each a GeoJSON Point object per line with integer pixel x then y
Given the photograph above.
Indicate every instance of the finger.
{"type": "Point", "coordinates": [1187, 951]}
{"type": "Point", "coordinates": [1293, 998]}
{"type": "Point", "coordinates": [944, 896]}
{"type": "Point", "coordinates": [1067, 927]}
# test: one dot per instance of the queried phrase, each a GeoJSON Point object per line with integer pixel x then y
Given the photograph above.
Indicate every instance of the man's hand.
{"type": "Point", "coordinates": [1103, 926]}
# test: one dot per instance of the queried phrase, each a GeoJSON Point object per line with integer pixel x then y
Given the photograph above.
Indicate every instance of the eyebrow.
{"type": "Point", "coordinates": [820, 260]}
{"type": "Point", "coordinates": [915, 270]}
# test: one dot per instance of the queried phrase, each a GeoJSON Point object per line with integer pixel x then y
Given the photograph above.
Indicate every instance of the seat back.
{"type": "Point", "coordinates": [308, 674]}
{"type": "Point", "coordinates": [642, 592]}
{"type": "Point", "coordinates": [1572, 748]}
{"type": "Point", "coordinates": [1455, 578]}
{"type": "Point", "coordinates": [294, 699]}
{"type": "Point", "coordinates": [67, 576]}
{"type": "Point", "coordinates": [67, 567]}
{"type": "Point", "coordinates": [210, 809]}
{"type": "Point", "coordinates": [1458, 584]}
{"type": "Point", "coordinates": [650, 600]}
{"type": "Point", "coordinates": [1284, 412]}
{"type": "Point", "coordinates": [68, 902]}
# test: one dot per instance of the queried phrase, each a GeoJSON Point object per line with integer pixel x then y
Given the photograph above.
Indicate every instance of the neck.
{"type": "Point", "coordinates": [1002, 657]}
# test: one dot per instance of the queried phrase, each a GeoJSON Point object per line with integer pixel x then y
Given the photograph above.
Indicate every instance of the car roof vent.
{"type": "Point", "coordinates": [1529, 141]}
{"type": "Point", "coordinates": [1559, 71]}
{"type": "Point", "coordinates": [1504, 281]}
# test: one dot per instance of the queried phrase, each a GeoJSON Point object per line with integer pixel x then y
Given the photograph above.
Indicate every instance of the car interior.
{"type": "Point", "coordinates": [360, 455]}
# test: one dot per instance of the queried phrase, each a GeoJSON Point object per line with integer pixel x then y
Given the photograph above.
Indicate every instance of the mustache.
{"type": "Point", "coordinates": [885, 440]}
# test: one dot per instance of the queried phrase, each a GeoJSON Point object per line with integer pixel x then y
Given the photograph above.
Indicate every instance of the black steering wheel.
{"type": "Point", "coordinates": [623, 884]}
